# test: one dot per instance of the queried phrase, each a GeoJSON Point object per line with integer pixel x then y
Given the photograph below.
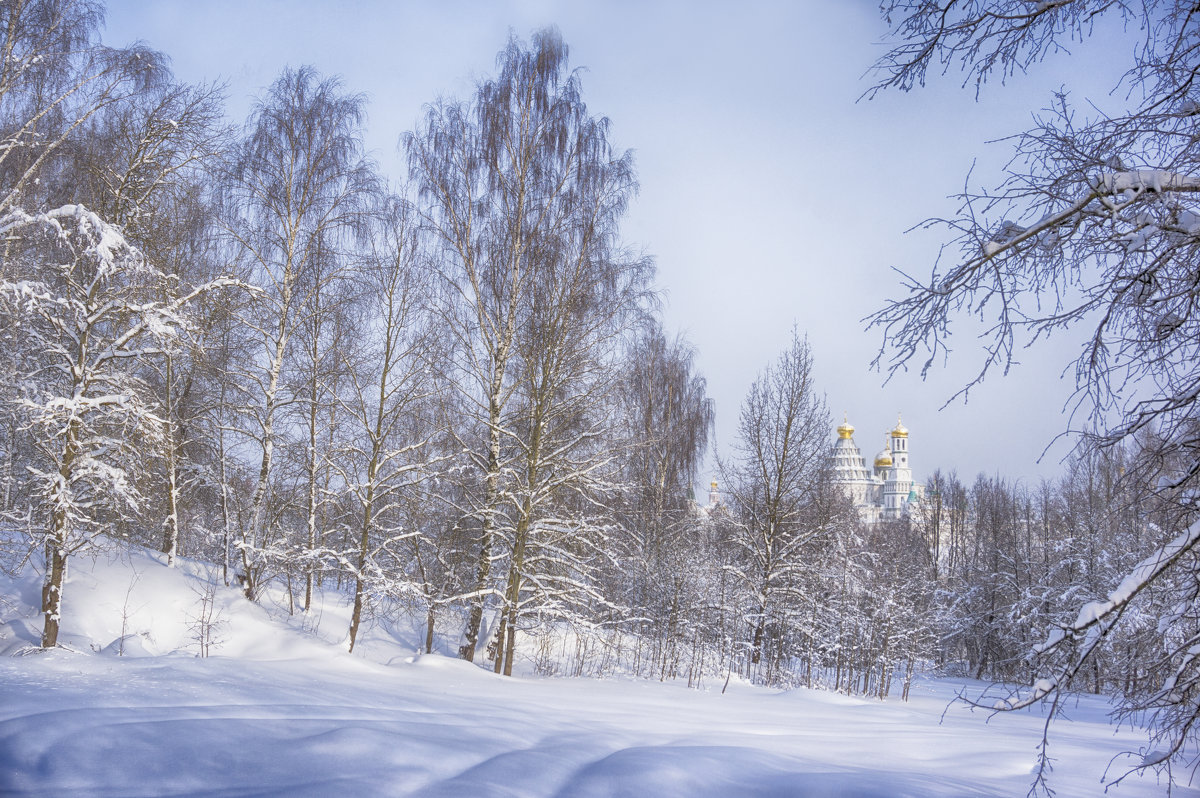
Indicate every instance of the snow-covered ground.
{"type": "Point", "coordinates": [278, 709]}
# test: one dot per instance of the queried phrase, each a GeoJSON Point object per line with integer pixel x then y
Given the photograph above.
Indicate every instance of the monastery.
{"type": "Point", "coordinates": [884, 492]}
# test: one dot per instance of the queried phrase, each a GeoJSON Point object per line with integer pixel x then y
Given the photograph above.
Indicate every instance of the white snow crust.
{"type": "Point", "coordinates": [279, 709]}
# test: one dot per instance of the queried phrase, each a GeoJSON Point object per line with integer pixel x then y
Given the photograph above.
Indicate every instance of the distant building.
{"type": "Point", "coordinates": [884, 492]}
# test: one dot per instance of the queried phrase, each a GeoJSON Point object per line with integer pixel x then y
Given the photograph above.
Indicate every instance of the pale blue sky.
{"type": "Point", "coordinates": [770, 196]}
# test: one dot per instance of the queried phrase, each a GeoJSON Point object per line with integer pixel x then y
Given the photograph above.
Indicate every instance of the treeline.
{"type": "Point", "coordinates": [452, 396]}
{"type": "Point", "coordinates": [1016, 565]}
{"type": "Point", "coordinates": [247, 345]}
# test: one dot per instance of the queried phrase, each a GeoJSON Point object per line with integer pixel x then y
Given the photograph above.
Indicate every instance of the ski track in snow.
{"type": "Point", "coordinates": [277, 711]}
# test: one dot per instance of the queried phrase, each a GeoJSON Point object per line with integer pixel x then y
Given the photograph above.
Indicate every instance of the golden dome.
{"type": "Point", "coordinates": [883, 459]}
{"type": "Point", "coordinates": [900, 431]}
{"type": "Point", "coordinates": [846, 430]}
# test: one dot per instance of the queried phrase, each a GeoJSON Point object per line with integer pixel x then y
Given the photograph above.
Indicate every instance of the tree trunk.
{"type": "Point", "coordinates": [171, 524]}
{"type": "Point", "coordinates": [258, 504]}
{"type": "Point", "coordinates": [226, 519]}
{"type": "Point", "coordinates": [311, 460]}
{"type": "Point", "coordinates": [508, 633]}
{"type": "Point", "coordinates": [490, 501]}
{"type": "Point", "coordinates": [56, 546]}
{"type": "Point", "coordinates": [510, 644]}
{"type": "Point", "coordinates": [52, 590]}
{"type": "Point", "coordinates": [501, 628]}
{"type": "Point", "coordinates": [364, 548]}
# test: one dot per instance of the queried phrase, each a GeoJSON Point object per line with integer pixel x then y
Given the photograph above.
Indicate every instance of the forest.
{"type": "Point", "coordinates": [454, 398]}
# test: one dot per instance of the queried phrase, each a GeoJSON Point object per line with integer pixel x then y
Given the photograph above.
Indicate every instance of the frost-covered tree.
{"type": "Point", "coordinates": [298, 190]}
{"type": "Point", "coordinates": [586, 295]}
{"type": "Point", "coordinates": [1095, 228]}
{"type": "Point", "coordinates": [886, 625]}
{"type": "Point", "coordinates": [522, 190]}
{"type": "Point", "coordinates": [773, 482]}
{"type": "Point", "coordinates": [143, 166]}
{"type": "Point", "coordinates": [87, 305]}
{"type": "Point", "coordinates": [664, 561]}
{"type": "Point", "coordinates": [86, 315]}
{"type": "Point", "coordinates": [55, 76]}
{"type": "Point", "coordinates": [386, 453]}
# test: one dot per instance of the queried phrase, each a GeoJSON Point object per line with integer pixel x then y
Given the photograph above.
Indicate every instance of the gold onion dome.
{"type": "Point", "coordinates": [883, 459]}
{"type": "Point", "coordinates": [900, 431]}
{"type": "Point", "coordinates": [846, 430]}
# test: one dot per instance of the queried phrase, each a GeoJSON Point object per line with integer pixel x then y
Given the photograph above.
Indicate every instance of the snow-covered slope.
{"type": "Point", "coordinates": [279, 710]}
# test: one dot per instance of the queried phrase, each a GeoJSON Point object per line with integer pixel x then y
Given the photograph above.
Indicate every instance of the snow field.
{"type": "Point", "coordinates": [279, 709]}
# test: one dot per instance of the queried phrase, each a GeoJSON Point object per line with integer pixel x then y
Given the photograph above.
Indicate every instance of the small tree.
{"type": "Point", "coordinates": [86, 303]}
{"type": "Point", "coordinates": [207, 625]}
{"type": "Point", "coordinates": [783, 432]}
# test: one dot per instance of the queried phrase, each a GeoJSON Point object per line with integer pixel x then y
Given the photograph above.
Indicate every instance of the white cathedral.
{"type": "Point", "coordinates": [884, 492]}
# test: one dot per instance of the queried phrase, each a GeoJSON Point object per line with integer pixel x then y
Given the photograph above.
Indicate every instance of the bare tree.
{"type": "Point", "coordinates": [664, 560]}
{"type": "Point", "coordinates": [86, 305]}
{"type": "Point", "coordinates": [54, 77]}
{"type": "Point", "coordinates": [519, 186]}
{"type": "Point", "coordinates": [91, 310]}
{"type": "Point", "coordinates": [671, 419]}
{"type": "Point", "coordinates": [143, 166]}
{"type": "Point", "coordinates": [783, 432]}
{"type": "Point", "coordinates": [568, 354]}
{"type": "Point", "coordinates": [388, 455]}
{"type": "Point", "coordinates": [297, 193]}
{"type": "Point", "coordinates": [1096, 227]}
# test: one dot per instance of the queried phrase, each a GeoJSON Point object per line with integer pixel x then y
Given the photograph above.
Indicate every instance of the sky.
{"type": "Point", "coordinates": [772, 196]}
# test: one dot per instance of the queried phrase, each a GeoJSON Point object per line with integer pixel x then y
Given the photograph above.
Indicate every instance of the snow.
{"type": "Point", "coordinates": [1158, 180]}
{"type": "Point", "coordinates": [280, 709]}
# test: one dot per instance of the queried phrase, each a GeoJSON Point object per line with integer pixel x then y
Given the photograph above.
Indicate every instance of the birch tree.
{"type": "Point", "coordinates": [298, 191]}
{"type": "Point", "coordinates": [565, 436]}
{"type": "Point", "coordinates": [664, 558]}
{"type": "Point", "coordinates": [389, 454]}
{"type": "Point", "coordinates": [143, 167]}
{"type": "Point", "coordinates": [86, 305]}
{"type": "Point", "coordinates": [509, 184]}
{"type": "Point", "coordinates": [55, 76]}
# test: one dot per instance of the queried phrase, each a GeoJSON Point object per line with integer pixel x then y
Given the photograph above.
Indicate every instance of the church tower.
{"type": "Point", "coordinates": [883, 491]}
{"type": "Point", "coordinates": [899, 482]}
{"type": "Point", "coordinates": [849, 468]}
